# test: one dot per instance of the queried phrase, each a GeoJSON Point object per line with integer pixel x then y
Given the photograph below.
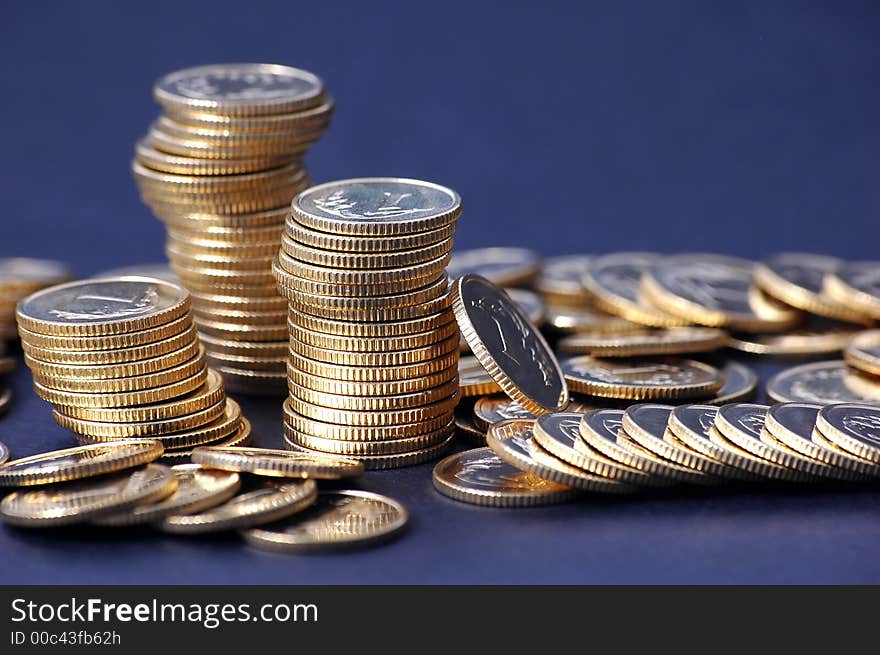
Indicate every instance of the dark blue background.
{"type": "Point", "coordinates": [742, 128]}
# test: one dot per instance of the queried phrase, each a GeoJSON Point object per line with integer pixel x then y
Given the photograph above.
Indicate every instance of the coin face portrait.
{"type": "Point", "coordinates": [240, 82]}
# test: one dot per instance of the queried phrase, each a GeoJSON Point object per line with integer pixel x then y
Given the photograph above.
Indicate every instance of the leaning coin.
{"type": "Point", "coordinates": [277, 463]}
{"type": "Point", "coordinates": [559, 435]}
{"type": "Point", "coordinates": [491, 409]}
{"type": "Point", "coordinates": [854, 427]}
{"type": "Point", "coordinates": [508, 345]}
{"type": "Point", "coordinates": [272, 501]}
{"type": "Point", "coordinates": [79, 462]}
{"type": "Point", "coordinates": [670, 341]}
{"type": "Point", "coordinates": [473, 379]}
{"type": "Point", "coordinates": [863, 352]}
{"type": "Point", "coordinates": [337, 519]}
{"type": "Point", "coordinates": [198, 489]}
{"type": "Point", "coordinates": [857, 285]}
{"type": "Point", "coordinates": [513, 442]}
{"type": "Point", "coordinates": [505, 267]}
{"type": "Point", "coordinates": [641, 379]}
{"type": "Point", "coordinates": [823, 383]}
{"type": "Point", "coordinates": [85, 500]}
{"type": "Point", "coordinates": [740, 383]}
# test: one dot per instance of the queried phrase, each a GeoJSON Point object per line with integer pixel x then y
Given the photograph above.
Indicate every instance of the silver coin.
{"type": "Point", "coordinates": [226, 86]}
{"type": "Point", "coordinates": [586, 320]}
{"type": "Point", "coordinates": [823, 383]}
{"type": "Point", "coordinates": [160, 271]}
{"type": "Point", "coordinates": [745, 418]}
{"type": "Point", "coordinates": [619, 274]}
{"type": "Point", "coordinates": [506, 267]}
{"type": "Point", "coordinates": [854, 427]}
{"type": "Point", "coordinates": [713, 281]}
{"type": "Point", "coordinates": [562, 275]}
{"type": "Point", "coordinates": [802, 270]}
{"type": "Point", "coordinates": [388, 205]}
{"type": "Point", "coordinates": [25, 270]}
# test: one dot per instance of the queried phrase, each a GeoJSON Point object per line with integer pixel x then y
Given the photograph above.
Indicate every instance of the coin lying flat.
{"type": "Point", "coordinates": [560, 279]}
{"type": "Point", "coordinates": [337, 519]}
{"type": "Point", "coordinates": [857, 285]}
{"type": "Point", "coordinates": [794, 344]}
{"type": "Point", "coordinates": [103, 307]}
{"type": "Point", "coordinates": [85, 500]}
{"type": "Point", "coordinates": [559, 435]}
{"type": "Point", "coordinates": [272, 501]}
{"type": "Point", "coordinates": [586, 320]}
{"type": "Point", "coordinates": [669, 341]}
{"type": "Point", "coordinates": [797, 279]}
{"type": "Point", "coordinates": [79, 462]}
{"type": "Point", "coordinates": [197, 489]}
{"type": "Point", "coordinates": [822, 383]}
{"type": "Point", "coordinates": [513, 442]}
{"type": "Point", "coordinates": [504, 267]}
{"type": "Point", "coordinates": [613, 284]}
{"type": "Point", "coordinates": [740, 383]}
{"type": "Point", "coordinates": [241, 437]}
{"type": "Point", "coordinates": [716, 291]}
{"type": "Point", "coordinates": [508, 346]}
{"type": "Point", "coordinates": [640, 379]}
{"type": "Point", "coordinates": [863, 352]}
{"type": "Point", "coordinates": [854, 427]}
{"type": "Point", "coordinates": [277, 463]}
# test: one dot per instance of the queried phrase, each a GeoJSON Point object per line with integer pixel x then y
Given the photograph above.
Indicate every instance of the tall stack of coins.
{"type": "Point", "coordinates": [20, 277]}
{"type": "Point", "coordinates": [220, 167]}
{"type": "Point", "coordinates": [120, 358]}
{"type": "Point", "coordinates": [373, 369]}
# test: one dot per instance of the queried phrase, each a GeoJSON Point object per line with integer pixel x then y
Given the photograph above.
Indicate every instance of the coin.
{"type": "Point", "coordinates": [165, 162]}
{"type": "Point", "coordinates": [106, 342]}
{"type": "Point", "coordinates": [638, 379]}
{"type": "Point", "coordinates": [854, 427]}
{"type": "Point", "coordinates": [369, 374]}
{"type": "Point", "coordinates": [491, 409]}
{"type": "Point", "coordinates": [647, 423]}
{"type": "Point", "coordinates": [373, 344]}
{"type": "Point", "coordinates": [794, 344]}
{"type": "Point", "coordinates": [797, 279]}
{"type": "Point", "coordinates": [473, 379]}
{"type": "Point", "coordinates": [560, 279]}
{"type": "Point", "coordinates": [669, 341]}
{"type": "Point", "coordinates": [793, 424]}
{"type": "Point", "coordinates": [337, 519]}
{"type": "Point", "coordinates": [4, 453]}
{"type": "Point", "coordinates": [513, 442]}
{"type": "Point", "coordinates": [241, 437]}
{"type": "Point", "coordinates": [380, 359]}
{"type": "Point", "coordinates": [24, 275]}
{"type": "Point", "coordinates": [863, 352]}
{"type": "Point", "coordinates": [271, 501]}
{"type": "Point", "coordinates": [396, 279]}
{"type": "Point", "coordinates": [103, 430]}
{"type": "Point", "coordinates": [714, 290]}
{"type": "Point", "coordinates": [857, 285]}
{"type": "Point", "coordinates": [392, 259]}
{"type": "Point", "coordinates": [79, 462]}
{"type": "Point", "coordinates": [504, 267]}
{"type": "Point", "coordinates": [198, 489]}
{"type": "Point", "coordinates": [85, 500]}
{"type": "Point", "coordinates": [277, 463]}
{"type": "Point", "coordinates": [357, 449]}
{"type": "Point", "coordinates": [366, 330]}
{"type": "Point", "coordinates": [447, 391]}
{"type": "Point", "coordinates": [612, 284]}
{"type": "Point", "coordinates": [327, 430]}
{"type": "Point", "coordinates": [601, 430]}
{"type": "Point", "coordinates": [382, 462]}
{"type": "Point", "coordinates": [117, 399]}
{"type": "Point", "coordinates": [822, 383]}
{"type": "Point", "coordinates": [317, 116]}
{"type": "Point", "coordinates": [365, 244]}
{"type": "Point", "coordinates": [742, 423]}
{"type": "Point", "coordinates": [586, 320]}
{"type": "Point", "coordinates": [480, 477]}
{"type": "Point", "coordinates": [239, 89]}
{"type": "Point", "coordinates": [740, 383]}
{"type": "Point", "coordinates": [297, 377]}
{"type": "Point", "coordinates": [559, 435]}
{"type": "Point", "coordinates": [508, 346]}
{"type": "Point", "coordinates": [99, 307]}
{"type": "Point", "coordinates": [376, 206]}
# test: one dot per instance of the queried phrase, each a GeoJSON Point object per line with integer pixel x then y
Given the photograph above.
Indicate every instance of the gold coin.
{"type": "Point", "coordinates": [210, 237]}
{"type": "Point", "coordinates": [740, 383]}
{"type": "Point", "coordinates": [716, 291]}
{"type": "Point", "coordinates": [794, 344]}
{"type": "Point", "coordinates": [149, 157]}
{"type": "Point", "coordinates": [433, 416]}
{"type": "Point", "coordinates": [142, 367]}
{"type": "Point", "coordinates": [385, 462]}
{"type": "Point", "coordinates": [230, 139]}
{"type": "Point", "coordinates": [79, 462]}
{"type": "Point", "coordinates": [277, 463]}
{"type": "Point", "coordinates": [387, 358]}
{"type": "Point", "coordinates": [356, 344]}
{"type": "Point", "coordinates": [380, 309]}
{"type": "Point", "coordinates": [85, 500]}
{"type": "Point", "coordinates": [270, 364]}
{"type": "Point", "coordinates": [239, 203]}
{"type": "Point", "coordinates": [213, 184]}
{"type": "Point", "coordinates": [101, 430]}
{"type": "Point", "coordinates": [207, 274]}
{"type": "Point", "coordinates": [198, 489]}
{"type": "Point", "coordinates": [586, 320]}
{"type": "Point", "coordinates": [823, 383]}
{"type": "Point", "coordinates": [379, 388]}
{"type": "Point", "coordinates": [560, 279]}
{"type": "Point", "coordinates": [367, 330]}
{"type": "Point", "coordinates": [473, 379]}
{"type": "Point", "coordinates": [244, 331]}
{"type": "Point", "coordinates": [21, 276]}
{"type": "Point", "coordinates": [368, 374]}
{"type": "Point", "coordinates": [669, 341]}
{"type": "Point", "coordinates": [208, 394]}
{"type": "Point", "coordinates": [241, 437]}
{"type": "Point", "coordinates": [350, 243]}
{"type": "Point", "coordinates": [558, 434]}
{"type": "Point", "coordinates": [503, 267]}
{"type": "Point", "coordinates": [270, 502]}
{"type": "Point", "coordinates": [375, 403]}
{"type": "Point", "coordinates": [513, 442]}
{"type": "Point", "coordinates": [337, 519]}
{"type": "Point", "coordinates": [341, 270]}
{"type": "Point", "coordinates": [854, 427]}
{"type": "Point", "coordinates": [218, 347]}
{"type": "Point", "coordinates": [290, 283]}
{"type": "Point", "coordinates": [247, 318]}
{"type": "Point", "coordinates": [434, 295]}
{"type": "Point", "coordinates": [491, 409]}
{"type": "Point", "coordinates": [238, 305]}
{"type": "Point", "coordinates": [641, 379]}
{"type": "Point", "coordinates": [318, 116]}
{"type": "Point", "coordinates": [790, 474]}
{"type": "Point", "coordinates": [205, 148]}
{"type": "Point", "coordinates": [863, 352]}
{"type": "Point", "coordinates": [856, 285]}
{"type": "Point", "coordinates": [369, 448]}
{"type": "Point", "coordinates": [318, 428]}
{"type": "Point", "coordinates": [108, 342]}
{"type": "Point", "coordinates": [612, 284]}
{"type": "Point", "coordinates": [480, 477]}
{"type": "Point", "coordinates": [376, 260]}
{"type": "Point", "coordinates": [223, 225]}
{"type": "Point", "coordinates": [231, 263]}
{"type": "Point", "coordinates": [602, 430]}
{"type": "Point", "coordinates": [797, 279]}
{"type": "Point", "coordinates": [240, 380]}
{"type": "Point", "coordinates": [89, 308]}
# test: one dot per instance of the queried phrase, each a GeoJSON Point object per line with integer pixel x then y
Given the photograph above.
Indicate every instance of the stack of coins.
{"type": "Point", "coordinates": [220, 167]}
{"type": "Point", "coordinates": [20, 277]}
{"type": "Point", "coordinates": [373, 369]}
{"type": "Point", "coordinates": [120, 358]}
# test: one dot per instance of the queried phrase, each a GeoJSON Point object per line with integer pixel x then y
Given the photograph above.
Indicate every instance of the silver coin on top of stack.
{"type": "Point", "coordinates": [373, 369]}
{"type": "Point", "coordinates": [219, 168]}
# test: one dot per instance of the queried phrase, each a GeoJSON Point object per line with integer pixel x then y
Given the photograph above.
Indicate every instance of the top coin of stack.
{"type": "Point", "coordinates": [19, 277]}
{"type": "Point", "coordinates": [220, 167]}
{"type": "Point", "coordinates": [373, 340]}
{"type": "Point", "coordinates": [120, 358]}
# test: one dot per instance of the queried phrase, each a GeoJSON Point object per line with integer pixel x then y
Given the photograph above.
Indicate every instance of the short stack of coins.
{"type": "Point", "coordinates": [373, 370]}
{"type": "Point", "coordinates": [120, 358]}
{"type": "Point", "coordinates": [219, 167]}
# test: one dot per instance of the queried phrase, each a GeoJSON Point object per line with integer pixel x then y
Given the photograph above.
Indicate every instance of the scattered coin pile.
{"type": "Point", "coordinates": [119, 358]}
{"type": "Point", "coordinates": [373, 369]}
{"type": "Point", "coordinates": [271, 496]}
{"type": "Point", "coordinates": [219, 167]}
